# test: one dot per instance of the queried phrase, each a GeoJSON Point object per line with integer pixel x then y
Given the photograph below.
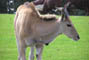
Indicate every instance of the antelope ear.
{"type": "Point", "coordinates": [62, 15]}
{"type": "Point", "coordinates": [62, 12]}
{"type": "Point", "coordinates": [63, 18]}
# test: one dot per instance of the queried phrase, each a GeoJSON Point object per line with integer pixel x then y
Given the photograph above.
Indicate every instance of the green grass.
{"type": "Point", "coordinates": [62, 48]}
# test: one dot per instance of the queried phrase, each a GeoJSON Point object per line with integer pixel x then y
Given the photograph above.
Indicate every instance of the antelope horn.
{"type": "Point", "coordinates": [65, 8]}
{"type": "Point", "coordinates": [66, 5]}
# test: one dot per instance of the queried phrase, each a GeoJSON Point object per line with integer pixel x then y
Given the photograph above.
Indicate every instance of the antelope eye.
{"type": "Point", "coordinates": [69, 25]}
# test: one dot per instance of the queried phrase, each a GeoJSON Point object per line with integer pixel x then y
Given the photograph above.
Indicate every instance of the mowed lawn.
{"type": "Point", "coordinates": [62, 48]}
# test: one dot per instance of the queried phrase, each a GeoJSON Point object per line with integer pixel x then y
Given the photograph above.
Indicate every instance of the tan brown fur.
{"type": "Point", "coordinates": [30, 17]}
{"type": "Point", "coordinates": [32, 30]}
{"type": "Point", "coordinates": [25, 21]}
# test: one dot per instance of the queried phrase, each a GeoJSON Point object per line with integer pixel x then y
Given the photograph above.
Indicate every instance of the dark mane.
{"type": "Point", "coordinates": [48, 17]}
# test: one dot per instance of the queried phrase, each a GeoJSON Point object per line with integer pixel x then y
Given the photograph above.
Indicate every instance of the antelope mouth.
{"type": "Point", "coordinates": [76, 39]}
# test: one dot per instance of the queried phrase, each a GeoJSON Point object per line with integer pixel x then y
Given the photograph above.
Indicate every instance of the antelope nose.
{"type": "Point", "coordinates": [78, 37]}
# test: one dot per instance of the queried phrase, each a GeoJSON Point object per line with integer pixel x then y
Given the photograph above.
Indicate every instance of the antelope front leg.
{"type": "Point", "coordinates": [21, 50]}
{"type": "Point", "coordinates": [31, 54]}
{"type": "Point", "coordinates": [39, 49]}
{"type": "Point", "coordinates": [22, 53]}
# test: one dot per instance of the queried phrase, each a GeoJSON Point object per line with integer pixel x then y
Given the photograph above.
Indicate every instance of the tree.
{"type": "Point", "coordinates": [10, 6]}
{"type": "Point", "coordinates": [81, 4]}
{"type": "Point", "coordinates": [3, 8]}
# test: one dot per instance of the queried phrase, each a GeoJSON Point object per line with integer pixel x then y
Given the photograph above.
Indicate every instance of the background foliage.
{"type": "Point", "coordinates": [10, 6]}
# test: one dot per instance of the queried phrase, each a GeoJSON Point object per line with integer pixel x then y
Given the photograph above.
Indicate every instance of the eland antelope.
{"type": "Point", "coordinates": [35, 30]}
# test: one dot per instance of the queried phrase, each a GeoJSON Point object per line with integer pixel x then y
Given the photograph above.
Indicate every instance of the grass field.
{"type": "Point", "coordinates": [62, 48]}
